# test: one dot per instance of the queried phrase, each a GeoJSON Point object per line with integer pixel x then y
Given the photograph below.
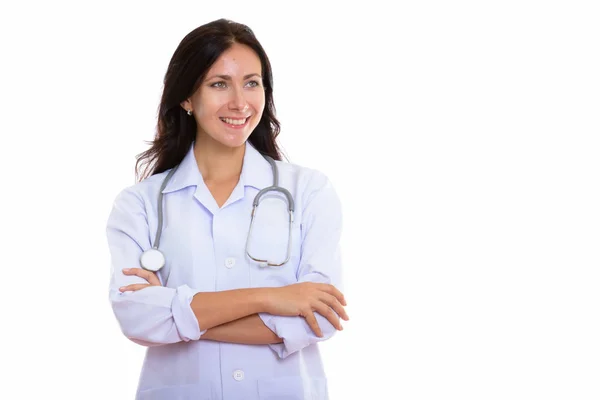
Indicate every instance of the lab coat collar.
{"type": "Point", "coordinates": [256, 172]}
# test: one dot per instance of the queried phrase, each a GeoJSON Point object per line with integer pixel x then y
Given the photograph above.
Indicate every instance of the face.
{"type": "Point", "coordinates": [229, 103]}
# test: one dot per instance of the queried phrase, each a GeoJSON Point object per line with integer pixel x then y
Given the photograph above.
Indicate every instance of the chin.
{"type": "Point", "coordinates": [234, 142]}
{"type": "Point", "coordinates": [227, 138]}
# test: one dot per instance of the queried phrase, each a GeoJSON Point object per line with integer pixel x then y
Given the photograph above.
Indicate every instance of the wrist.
{"type": "Point", "coordinates": [262, 299]}
{"type": "Point", "coordinates": [207, 335]}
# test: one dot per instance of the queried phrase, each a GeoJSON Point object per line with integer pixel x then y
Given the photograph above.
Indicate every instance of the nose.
{"type": "Point", "coordinates": [238, 100]}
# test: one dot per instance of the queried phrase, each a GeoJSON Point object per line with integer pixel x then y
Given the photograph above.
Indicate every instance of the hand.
{"type": "Point", "coordinates": [302, 299]}
{"type": "Point", "coordinates": [149, 276]}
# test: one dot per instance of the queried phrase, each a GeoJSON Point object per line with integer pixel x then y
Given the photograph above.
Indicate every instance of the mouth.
{"type": "Point", "coordinates": [235, 123]}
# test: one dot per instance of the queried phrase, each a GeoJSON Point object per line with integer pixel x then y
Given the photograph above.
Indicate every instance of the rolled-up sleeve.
{"type": "Point", "coordinates": [320, 262]}
{"type": "Point", "coordinates": [154, 315]}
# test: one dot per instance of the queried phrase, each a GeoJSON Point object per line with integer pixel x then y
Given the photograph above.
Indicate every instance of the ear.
{"type": "Point", "coordinates": [186, 104]}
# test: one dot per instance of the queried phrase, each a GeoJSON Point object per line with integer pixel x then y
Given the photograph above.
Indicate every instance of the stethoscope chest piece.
{"type": "Point", "coordinates": [152, 260]}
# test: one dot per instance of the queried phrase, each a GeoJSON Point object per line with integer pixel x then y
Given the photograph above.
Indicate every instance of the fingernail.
{"type": "Point", "coordinates": [122, 287]}
{"type": "Point", "coordinates": [125, 269]}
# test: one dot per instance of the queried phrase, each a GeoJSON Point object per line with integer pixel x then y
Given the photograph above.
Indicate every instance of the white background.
{"type": "Point", "coordinates": [462, 138]}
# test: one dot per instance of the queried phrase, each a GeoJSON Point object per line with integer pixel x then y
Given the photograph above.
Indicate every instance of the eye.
{"type": "Point", "coordinates": [254, 83]}
{"type": "Point", "coordinates": [219, 84]}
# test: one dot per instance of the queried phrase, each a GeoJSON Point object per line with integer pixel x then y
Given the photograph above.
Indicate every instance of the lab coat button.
{"type": "Point", "coordinates": [230, 262]}
{"type": "Point", "coordinates": [238, 375]}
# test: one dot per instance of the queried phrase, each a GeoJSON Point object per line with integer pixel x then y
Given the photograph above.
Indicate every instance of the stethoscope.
{"type": "Point", "coordinates": [153, 259]}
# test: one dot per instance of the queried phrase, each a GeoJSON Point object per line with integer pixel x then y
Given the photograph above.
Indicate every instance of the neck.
{"type": "Point", "coordinates": [218, 163]}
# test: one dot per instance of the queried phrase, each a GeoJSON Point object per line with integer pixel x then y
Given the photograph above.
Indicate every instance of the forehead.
{"type": "Point", "coordinates": [238, 60]}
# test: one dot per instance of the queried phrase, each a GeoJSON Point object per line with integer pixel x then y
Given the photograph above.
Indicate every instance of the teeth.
{"type": "Point", "coordinates": [234, 121]}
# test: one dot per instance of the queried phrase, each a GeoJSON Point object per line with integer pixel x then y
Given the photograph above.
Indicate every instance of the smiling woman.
{"type": "Point", "coordinates": [218, 72]}
{"type": "Point", "coordinates": [219, 323]}
{"type": "Point", "coordinates": [229, 103]}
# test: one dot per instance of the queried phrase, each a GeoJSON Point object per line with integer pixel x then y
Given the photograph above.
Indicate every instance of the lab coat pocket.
{"type": "Point", "coordinates": [197, 391]}
{"type": "Point", "coordinates": [292, 388]}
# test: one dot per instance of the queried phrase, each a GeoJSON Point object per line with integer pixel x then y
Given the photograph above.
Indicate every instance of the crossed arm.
{"type": "Point", "coordinates": [299, 314]}
{"type": "Point", "coordinates": [246, 330]}
{"type": "Point", "coordinates": [233, 315]}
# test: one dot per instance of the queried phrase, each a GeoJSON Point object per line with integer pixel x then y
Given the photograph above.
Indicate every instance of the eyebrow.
{"type": "Point", "coordinates": [228, 78]}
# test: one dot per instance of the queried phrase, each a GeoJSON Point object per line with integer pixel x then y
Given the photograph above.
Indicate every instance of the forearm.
{"type": "Point", "coordinates": [246, 330]}
{"type": "Point", "coordinates": [217, 308]}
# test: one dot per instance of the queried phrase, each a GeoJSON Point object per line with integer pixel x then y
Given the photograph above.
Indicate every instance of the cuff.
{"type": "Point", "coordinates": [183, 315]}
{"type": "Point", "coordinates": [294, 331]}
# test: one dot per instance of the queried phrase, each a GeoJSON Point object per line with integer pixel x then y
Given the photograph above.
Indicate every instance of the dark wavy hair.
{"type": "Point", "coordinates": [175, 130]}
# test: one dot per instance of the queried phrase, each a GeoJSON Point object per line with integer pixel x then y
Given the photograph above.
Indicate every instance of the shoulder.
{"type": "Point", "coordinates": [304, 175]}
{"type": "Point", "coordinates": [307, 182]}
{"type": "Point", "coordinates": [140, 194]}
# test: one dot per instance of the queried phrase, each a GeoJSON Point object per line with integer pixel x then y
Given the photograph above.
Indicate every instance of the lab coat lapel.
{"type": "Point", "coordinates": [256, 172]}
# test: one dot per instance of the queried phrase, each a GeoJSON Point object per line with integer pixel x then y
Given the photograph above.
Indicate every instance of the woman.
{"type": "Point", "coordinates": [234, 310]}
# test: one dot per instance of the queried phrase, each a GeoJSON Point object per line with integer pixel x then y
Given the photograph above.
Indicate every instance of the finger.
{"type": "Point", "coordinates": [134, 287]}
{"type": "Point", "coordinates": [328, 313]}
{"type": "Point", "coordinates": [153, 279]}
{"type": "Point", "coordinates": [333, 302]}
{"type": "Point", "coordinates": [335, 292]}
{"type": "Point", "coordinates": [312, 322]}
{"type": "Point", "coordinates": [142, 273]}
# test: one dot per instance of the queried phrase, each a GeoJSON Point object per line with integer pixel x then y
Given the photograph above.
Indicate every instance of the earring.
{"type": "Point", "coordinates": [189, 112]}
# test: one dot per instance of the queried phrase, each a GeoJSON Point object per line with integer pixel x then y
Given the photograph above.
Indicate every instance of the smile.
{"type": "Point", "coordinates": [235, 122]}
